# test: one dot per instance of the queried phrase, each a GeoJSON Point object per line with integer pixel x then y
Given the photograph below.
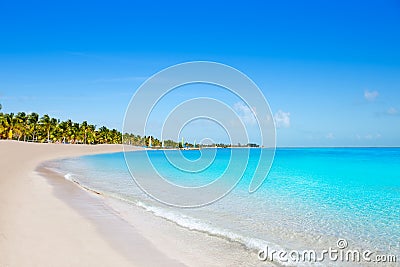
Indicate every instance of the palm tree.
{"type": "Point", "coordinates": [54, 123]}
{"type": "Point", "coordinates": [115, 137]}
{"type": "Point", "coordinates": [63, 130]}
{"type": "Point", "coordinates": [9, 122]}
{"type": "Point", "coordinates": [33, 120]}
{"type": "Point", "coordinates": [83, 129]}
{"type": "Point", "coordinates": [75, 132]}
{"type": "Point", "coordinates": [22, 124]}
{"type": "Point", "coordinates": [103, 135]}
{"type": "Point", "coordinates": [69, 131]}
{"type": "Point", "coordinates": [91, 133]}
{"type": "Point", "coordinates": [46, 123]}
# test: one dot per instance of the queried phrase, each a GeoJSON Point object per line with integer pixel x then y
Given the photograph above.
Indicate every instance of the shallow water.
{"type": "Point", "coordinates": [311, 197]}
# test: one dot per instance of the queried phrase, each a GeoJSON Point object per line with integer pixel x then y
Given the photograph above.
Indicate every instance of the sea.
{"type": "Point", "coordinates": [312, 199]}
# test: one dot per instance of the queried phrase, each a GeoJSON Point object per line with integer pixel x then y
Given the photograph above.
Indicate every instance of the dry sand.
{"type": "Point", "coordinates": [52, 222]}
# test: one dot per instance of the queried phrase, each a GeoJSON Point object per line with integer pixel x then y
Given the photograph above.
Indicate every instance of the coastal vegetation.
{"type": "Point", "coordinates": [45, 129]}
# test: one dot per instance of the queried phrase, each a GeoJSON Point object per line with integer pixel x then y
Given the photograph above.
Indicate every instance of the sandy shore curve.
{"type": "Point", "coordinates": [46, 220]}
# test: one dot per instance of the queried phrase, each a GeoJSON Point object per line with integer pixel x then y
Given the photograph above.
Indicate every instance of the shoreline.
{"type": "Point", "coordinates": [141, 240]}
{"type": "Point", "coordinates": [123, 237]}
{"type": "Point", "coordinates": [39, 229]}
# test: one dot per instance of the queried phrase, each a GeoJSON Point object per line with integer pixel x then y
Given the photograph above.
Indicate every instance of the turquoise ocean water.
{"type": "Point", "coordinates": [311, 197]}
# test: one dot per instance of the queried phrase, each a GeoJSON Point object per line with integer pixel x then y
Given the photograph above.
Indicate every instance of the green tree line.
{"type": "Point", "coordinates": [45, 129]}
{"type": "Point", "coordinates": [33, 128]}
{"type": "Point", "coordinates": [137, 140]}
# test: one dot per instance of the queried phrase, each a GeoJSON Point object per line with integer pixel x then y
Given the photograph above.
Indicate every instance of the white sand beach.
{"type": "Point", "coordinates": [46, 220]}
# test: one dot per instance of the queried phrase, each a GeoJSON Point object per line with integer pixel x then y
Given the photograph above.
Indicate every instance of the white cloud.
{"type": "Point", "coordinates": [368, 136]}
{"type": "Point", "coordinates": [330, 136]}
{"type": "Point", "coordinates": [370, 95]}
{"type": "Point", "coordinates": [282, 119]}
{"type": "Point", "coordinates": [392, 111]}
{"type": "Point", "coordinates": [372, 136]}
{"type": "Point", "coordinates": [246, 114]}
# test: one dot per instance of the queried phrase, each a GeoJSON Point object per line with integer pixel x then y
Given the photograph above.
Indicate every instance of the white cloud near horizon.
{"type": "Point", "coordinates": [392, 111]}
{"type": "Point", "coordinates": [370, 95]}
{"type": "Point", "coordinates": [330, 136]}
{"type": "Point", "coordinates": [369, 136]}
{"type": "Point", "coordinates": [246, 114]}
{"type": "Point", "coordinates": [282, 119]}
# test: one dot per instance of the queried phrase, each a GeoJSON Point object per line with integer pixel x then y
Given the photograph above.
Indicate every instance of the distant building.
{"type": "Point", "coordinates": [252, 145]}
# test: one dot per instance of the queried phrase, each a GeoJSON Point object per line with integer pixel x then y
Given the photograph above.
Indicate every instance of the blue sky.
{"type": "Point", "coordinates": [330, 70]}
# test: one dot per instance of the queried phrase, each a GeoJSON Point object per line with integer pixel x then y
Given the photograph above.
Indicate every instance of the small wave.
{"type": "Point", "coordinates": [70, 177]}
{"type": "Point", "coordinates": [197, 225]}
{"type": "Point", "coordinates": [185, 221]}
{"type": "Point", "coordinates": [190, 223]}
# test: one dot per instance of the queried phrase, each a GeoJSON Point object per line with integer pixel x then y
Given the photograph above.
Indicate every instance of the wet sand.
{"type": "Point", "coordinates": [46, 220]}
